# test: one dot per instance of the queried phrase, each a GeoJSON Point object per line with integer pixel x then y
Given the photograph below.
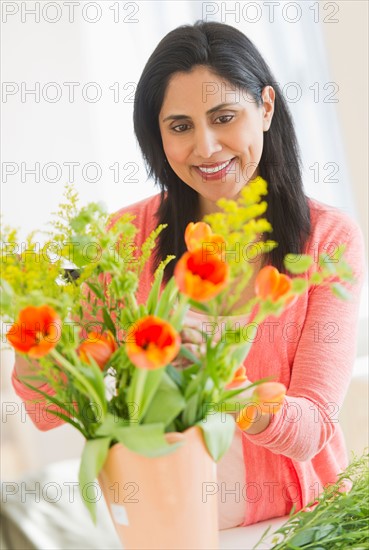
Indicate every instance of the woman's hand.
{"type": "Point", "coordinates": [192, 340]}
{"type": "Point", "coordinates": [258, 425]}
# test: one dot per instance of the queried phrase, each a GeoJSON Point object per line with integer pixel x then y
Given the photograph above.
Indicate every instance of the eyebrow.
{"type": "Point", "coordinates": [209, 112]}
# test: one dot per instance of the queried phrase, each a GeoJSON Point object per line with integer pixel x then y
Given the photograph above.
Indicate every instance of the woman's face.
{"type": "Point", "coordinates": [212, 133]}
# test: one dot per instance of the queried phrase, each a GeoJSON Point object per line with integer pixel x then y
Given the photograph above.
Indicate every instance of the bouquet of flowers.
{"type": "Point", "coordinates": [109, 360]}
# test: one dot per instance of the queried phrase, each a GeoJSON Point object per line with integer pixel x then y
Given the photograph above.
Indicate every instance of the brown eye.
{"type": "Point", "coordinates": [225, 119]}
{"type": "Point", "coordinates": [179, 128]}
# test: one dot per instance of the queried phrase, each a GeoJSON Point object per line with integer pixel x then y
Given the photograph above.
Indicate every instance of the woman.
{"type": "Point", "coordinates": [209, 117]}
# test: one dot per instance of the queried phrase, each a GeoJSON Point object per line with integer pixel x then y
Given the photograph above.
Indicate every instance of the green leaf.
{"type": "Point", "coordinates": [162, 306]}
{"type": "Point", "coordinates": [143, 387]}
{"type": "Point", "coordinates": [316, 278]}
{"type": "Point", "coordinates": [200, 306]}
{"type": "Point", "coordinates": [166, 404]}
{"type": "Point", "coordinates": [297, 263]}
{"type": "Point", "coordinates": [195, 384]}
{"type": "Point", "coordinates": [189, 414]}
{"type": "Point", "coordinates": [323, 531]}
{"type": "Point", "coordinates": [108, 321]}
{"type": "Point", "coordinates": [89, 379]}
{"type": "Point", "coordinates": [153, 298]}
{"type": "Point", "coordinates": [327, 263]}
{"type": "Point", "coordinates": [185, 352]}
{"type": "Point", "coordinates": [141, 312]}
{"type": "Point", "coordinates": [126, 317]}
{"type": "Point", "coordinates": [167, 299]}
{"type": "Point", "coordinates": [304, 537]}
{"type": "Point", "coordinates": [119, 360]}
{"type": "Point", "coordinates": [93, 374]}
{"type": "Point", "coordinates": [96, 290]}
{"type": "Point", "coordinates": [145, 439]}
{"type": "Point", "coordinates": [340, 291]}
{"type": "Point", "coordinates": [110, 424]}
{"type": "Point", "coordinates": [299, 285]}
{"type": "Point", "coordinates": [218, 430]}
{"type": "Point", "coordinates": [93, 458]}
{"type": "Point", "coordinates": [79, 244]}
{"type": "Point", "coordinates": [175, 375]}
{"type": "Point", "coordinates": [179, 314]}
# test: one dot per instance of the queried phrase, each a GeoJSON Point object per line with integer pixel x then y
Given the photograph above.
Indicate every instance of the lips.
{"type": "Point", "coordinates": [215, 170]}
{"type": "Point", "coordinates": [212, 168]}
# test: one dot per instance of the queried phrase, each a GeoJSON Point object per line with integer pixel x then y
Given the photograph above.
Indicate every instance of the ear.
{"type": "Point", "coordinates": [268, 97]}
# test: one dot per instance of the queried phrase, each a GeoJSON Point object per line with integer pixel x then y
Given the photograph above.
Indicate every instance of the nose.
{"type": "Point", "coordinates": [206, 142]}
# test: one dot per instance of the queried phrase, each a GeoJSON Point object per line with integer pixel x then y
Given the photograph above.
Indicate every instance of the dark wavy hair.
{"type": "Point", "coordinates": [229, 54]}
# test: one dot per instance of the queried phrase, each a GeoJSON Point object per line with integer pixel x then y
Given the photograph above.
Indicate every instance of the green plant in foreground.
{"type": "Point", "coordinates": [339, 520]}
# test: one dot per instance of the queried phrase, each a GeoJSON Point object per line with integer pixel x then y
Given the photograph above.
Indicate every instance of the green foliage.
{"type": "Point", "coordinates": [297, 263]}
{"type": "Point", "coordinates": [166, 404]}
{"type": "Point", "coordinates": [218, 430]}
{"type": "Point", "coordinates": [145, 439]}
{"type": "Point", "coordinates": [93, 457]}
{"type": "Point", "coordinates": [336, 520]}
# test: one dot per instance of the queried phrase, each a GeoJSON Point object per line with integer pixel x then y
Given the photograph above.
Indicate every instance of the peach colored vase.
{"type": "Point", "coordinates": [161, 503]}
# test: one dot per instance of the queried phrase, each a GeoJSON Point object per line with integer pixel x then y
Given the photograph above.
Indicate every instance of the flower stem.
{"type": "Point", "coordinates": [89, 389]}
{"type": "Point", "coordinates": [140, 379]}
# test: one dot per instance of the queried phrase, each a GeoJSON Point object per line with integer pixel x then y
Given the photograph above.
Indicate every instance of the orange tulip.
{"type": "Point", "coordinates": [269, 396]}
{"type": "Point", "coordinates": [200, 233]}
{"type": "Point", "coordinates": [98, 346]}
{"type": "Point", "coordinates": [201, 280]}
{"type": "Point", "coordinates": [238, 379]}
{"type": "Point", "coordinates": [248, 416]}
{"type": "Point", "coordinates": [152, 343]}
{"type": "Point", "coordinates": [269, 283]}
{"type": "Point", "coordinates": [36, 331]}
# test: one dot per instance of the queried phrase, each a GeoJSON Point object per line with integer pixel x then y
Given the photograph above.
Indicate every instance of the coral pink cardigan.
{"type": "Point", "coordinates": [311, 349]}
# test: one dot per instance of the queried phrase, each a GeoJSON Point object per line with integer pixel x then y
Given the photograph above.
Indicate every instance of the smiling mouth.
{"type": "Point", "coordinates": [213, 169]}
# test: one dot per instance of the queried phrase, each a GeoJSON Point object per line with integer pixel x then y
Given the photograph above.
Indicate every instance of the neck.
{"type": "Point", "coordinates": [207, 207]}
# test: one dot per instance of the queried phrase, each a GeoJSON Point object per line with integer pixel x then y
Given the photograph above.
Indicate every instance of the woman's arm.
{"type": "Point", "coordinates": [24, 368]}
{"type": "Point", "coordinates": [321, 370]}
{"type": "Point", "coordinates": [35, 404]}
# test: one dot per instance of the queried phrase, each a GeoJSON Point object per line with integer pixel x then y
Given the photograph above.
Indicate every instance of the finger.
{"type": "Point", "coordinates": [191, 336]}
{"type": "Point", "coordinates": [181, 363]}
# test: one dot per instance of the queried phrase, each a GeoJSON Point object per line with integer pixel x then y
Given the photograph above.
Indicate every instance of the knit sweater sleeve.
{"type": "Point", "coordinates": [323, 363]}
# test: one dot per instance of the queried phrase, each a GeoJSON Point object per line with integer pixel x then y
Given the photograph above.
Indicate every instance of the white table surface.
{"type": "Point", "coordinates": [244, 538]}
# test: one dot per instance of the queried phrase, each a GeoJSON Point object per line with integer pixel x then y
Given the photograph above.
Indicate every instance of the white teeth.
{"type": "Point", "coordinates": [216, 169]}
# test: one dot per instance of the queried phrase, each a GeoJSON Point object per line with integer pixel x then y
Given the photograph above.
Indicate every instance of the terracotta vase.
{"type": "Point", "coordinates": [161, 503]}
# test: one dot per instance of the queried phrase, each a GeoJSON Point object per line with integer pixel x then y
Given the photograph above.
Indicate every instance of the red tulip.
{"type": "Point", "coordinates": [201, 279]}
{"type": "Point", "coordinates": [269, 283]}
{"type": "Point", "coordinates": [152, 343]}
{"type": "Point", "coordinates": [239, 378]}
{"type": "Point", "coordinates": [99, 347]}
{"type": "Point", "coordinates": [200, 233]}
{"type": "Point", "coordinates": [36, 332]}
